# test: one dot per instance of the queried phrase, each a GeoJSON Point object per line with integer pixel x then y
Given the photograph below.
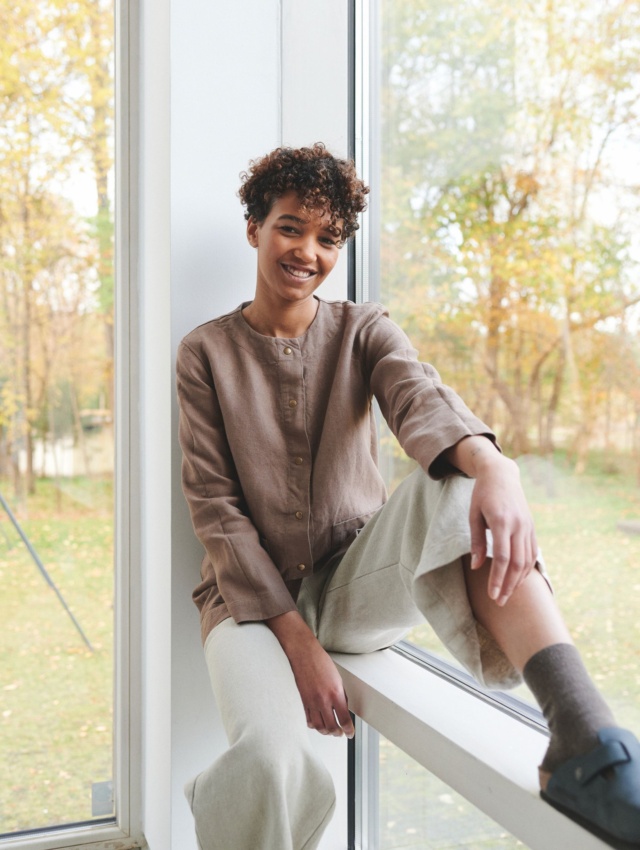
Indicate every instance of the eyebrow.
{"type": "Point", "coordinates": [293, 218]}
{"type": "Point", "coordinates": [334, 231]}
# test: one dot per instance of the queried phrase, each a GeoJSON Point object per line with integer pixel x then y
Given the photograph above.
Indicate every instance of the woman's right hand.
{"type": "Point", "coordinates": [317, 678]}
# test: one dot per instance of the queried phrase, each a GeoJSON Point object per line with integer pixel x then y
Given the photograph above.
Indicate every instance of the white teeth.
{"type": "Point", "coordinates": [298, 272]}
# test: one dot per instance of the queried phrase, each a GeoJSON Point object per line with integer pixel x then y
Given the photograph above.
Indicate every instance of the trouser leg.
{"type": "Point", "coordinates": [268, 791]}
{"type": "Point", "coordinates": [407, 565]}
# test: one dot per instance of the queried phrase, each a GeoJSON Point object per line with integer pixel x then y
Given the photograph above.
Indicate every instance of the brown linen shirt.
{"type": "Point", "coordinates": [280, 449]}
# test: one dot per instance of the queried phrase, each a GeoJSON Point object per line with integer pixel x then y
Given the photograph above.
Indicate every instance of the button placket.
{"type": "Point", "coordinates": [299, 556]}
{"type": "Point", "coordinates": [290, 368]}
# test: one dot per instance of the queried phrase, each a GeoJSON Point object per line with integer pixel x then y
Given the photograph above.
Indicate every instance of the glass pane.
{"type": "Point", "coordinates": [419, 812]}
{"type": "Point", "coordinates": [56, 412]}
{"type": "Point", "coordinates": [507, 194]}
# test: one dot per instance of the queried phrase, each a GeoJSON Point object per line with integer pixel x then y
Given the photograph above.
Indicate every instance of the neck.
{"type": "Point", "coordinates": [287, 322]}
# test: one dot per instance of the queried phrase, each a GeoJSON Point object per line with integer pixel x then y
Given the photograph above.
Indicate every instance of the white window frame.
{"type": "Point", "coordinates": [123, 832]}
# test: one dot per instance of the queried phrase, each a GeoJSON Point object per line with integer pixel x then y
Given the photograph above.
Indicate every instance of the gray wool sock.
{"type": "Point", "coordinates": [570, 702]}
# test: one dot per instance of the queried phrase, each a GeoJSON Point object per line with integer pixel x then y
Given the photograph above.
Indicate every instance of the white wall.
{"type": "Point", "coordinates": [220, 84]}
{"type": "Point", "coordinates": [224, 110]}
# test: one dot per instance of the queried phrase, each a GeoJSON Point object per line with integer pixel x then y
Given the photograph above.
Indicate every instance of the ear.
{"type": "Point", "coordinates": [252, 232]}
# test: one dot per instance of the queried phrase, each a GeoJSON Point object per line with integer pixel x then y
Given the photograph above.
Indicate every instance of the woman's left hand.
{"type": "Point", "coordinates": [498, 503]}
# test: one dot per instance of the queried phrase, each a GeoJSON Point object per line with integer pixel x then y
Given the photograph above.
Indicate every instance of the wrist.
{"type": "Point", "coordinates": [291, 631]}
{"type": "Point", "coordinates": [474, 454]}
{"type": "Point", "coordinates": [487, 462]}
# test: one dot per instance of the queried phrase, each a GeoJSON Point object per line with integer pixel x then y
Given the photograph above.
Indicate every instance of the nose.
{"type": "Point", "coordinates": [304, 249]}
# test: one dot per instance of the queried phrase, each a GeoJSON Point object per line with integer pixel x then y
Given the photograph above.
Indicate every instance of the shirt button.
{"type": "Point", "coordinates": [299, 514]}
{"type": "Point", "coordinates": [301, 567]}
{"type": "Point", "coordinates": [293, 403]}
{"type": "Point", "coordinates": [298, 461]}
{"type": "Point", "coordinates": [287, 350]}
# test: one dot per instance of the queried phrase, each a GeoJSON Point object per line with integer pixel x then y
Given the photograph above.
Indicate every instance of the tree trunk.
{"type": "Point", "coordinates": [101, 84]}
{"type": "Point", "coordinates": [27, 291]}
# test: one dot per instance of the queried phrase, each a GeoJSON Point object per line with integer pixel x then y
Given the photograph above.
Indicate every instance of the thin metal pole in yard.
{"type": "Point", "coordinates": [43, 569]}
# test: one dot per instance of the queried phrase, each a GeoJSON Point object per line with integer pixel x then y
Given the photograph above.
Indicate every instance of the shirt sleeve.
{"type": "Point", "coordinates": [237, 565]}
{"type": "Point", "coordinates": [426, 416]}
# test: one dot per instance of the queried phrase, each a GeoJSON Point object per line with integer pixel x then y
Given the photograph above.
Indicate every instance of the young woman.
{"type": "Point", "coordinates": [304, 554]}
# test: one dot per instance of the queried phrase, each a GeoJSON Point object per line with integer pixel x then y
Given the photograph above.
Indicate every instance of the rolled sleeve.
{"type": "Point", "coordinates": [426, 416]}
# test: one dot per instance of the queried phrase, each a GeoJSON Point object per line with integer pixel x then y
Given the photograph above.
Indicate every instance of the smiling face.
{"type": "Point", "coordinates": [297, 249]}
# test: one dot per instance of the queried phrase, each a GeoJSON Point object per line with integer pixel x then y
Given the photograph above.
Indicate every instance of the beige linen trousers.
{"type": "Point", "coordinates": [269, 791]}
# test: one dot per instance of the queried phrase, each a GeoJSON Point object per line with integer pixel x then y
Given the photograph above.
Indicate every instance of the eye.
{"type": "Point", "coordinates": [289, 229]}
{"type": "Point", "coordinates": [327, 240]}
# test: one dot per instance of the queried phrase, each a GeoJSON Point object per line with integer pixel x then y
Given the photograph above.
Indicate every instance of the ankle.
{"type": "Point", "coordinates": [572, 706]}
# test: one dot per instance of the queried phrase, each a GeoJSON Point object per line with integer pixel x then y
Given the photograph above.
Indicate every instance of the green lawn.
{"type": "Point", "coordinates": [55, 695]}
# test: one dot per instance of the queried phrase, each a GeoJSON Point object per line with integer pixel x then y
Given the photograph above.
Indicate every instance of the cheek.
{"type": "Point", "coordinates": [331, 262]}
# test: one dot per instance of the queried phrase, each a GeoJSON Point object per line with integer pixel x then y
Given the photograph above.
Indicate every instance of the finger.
{"type": "Point", "coordinates": [331, 724]}
{"type": "Point", "coordinates": [531, 553]}
{"type": "Point", "coordinates": [315, 720]}
{"type": "Point", "coordinates": [499, 563]}
{"type": "Point", "coordinates": [343, 717]}
{"type": "Point", "coordinates": [339, 731]}
{"type": "Point", "coordinates": [515, 569]}
{"type": "Point", "coordinates": [478, 529]}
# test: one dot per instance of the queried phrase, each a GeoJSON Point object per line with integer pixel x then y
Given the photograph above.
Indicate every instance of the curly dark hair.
{"type": "Point", "coordinates": [321, 181]}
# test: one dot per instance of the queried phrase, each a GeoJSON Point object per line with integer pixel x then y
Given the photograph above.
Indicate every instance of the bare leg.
{"type": "Point", "coordinates": [531, 632]}
{"type": "Point", "coordinates": [529, 622]}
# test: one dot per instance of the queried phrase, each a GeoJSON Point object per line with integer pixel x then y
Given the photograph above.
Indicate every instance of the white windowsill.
{"type": "Point", "coordinates": [486, 755]}
{"type": "Point", "coordinates": [79, 838]}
